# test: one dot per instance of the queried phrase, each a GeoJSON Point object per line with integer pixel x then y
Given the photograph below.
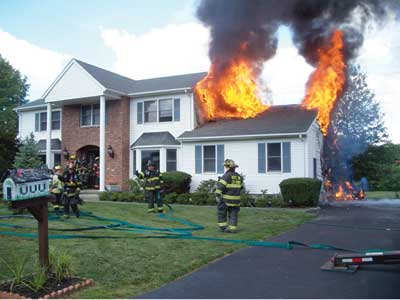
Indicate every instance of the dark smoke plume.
{"type": "Point", "coordinates": [233, 23]}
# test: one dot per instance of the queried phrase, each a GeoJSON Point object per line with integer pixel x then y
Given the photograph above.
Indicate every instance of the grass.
{"type": "Point", "coordinates": [129, 267]}
{"type": "Point", "coordinates": [383, 195]}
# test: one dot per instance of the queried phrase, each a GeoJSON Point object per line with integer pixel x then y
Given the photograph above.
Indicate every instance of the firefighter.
{"type": "Point", "coordinates": [228, 198]}
{"type": "Point", "coordinates": [56, 188]}
{"type": "Point", "coordinates": [71, 191]}
{"type": "Point", "coordinates": [152, 187]}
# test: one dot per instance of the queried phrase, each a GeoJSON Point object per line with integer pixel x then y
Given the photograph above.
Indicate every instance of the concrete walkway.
{"type": "Point", "coordinates": [258, 272]}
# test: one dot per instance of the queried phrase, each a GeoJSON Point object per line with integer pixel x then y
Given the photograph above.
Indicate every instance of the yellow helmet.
{"type": "Point", "coordinates": [230, 163]}
{"type": "Point", "coordinates": [72, 156]}
{"type": "Point", "coordinates": [57, 168]}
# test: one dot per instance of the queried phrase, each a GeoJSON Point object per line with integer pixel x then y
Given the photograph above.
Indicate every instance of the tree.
{"type": "Point", "coordinates": [356, 123]}
{"type": "Point", "coordinates": [13, 89]}
{"type": "Point", "coordinates": [28, 154]}
{"type": "Point", "coordinates": [380, 164]}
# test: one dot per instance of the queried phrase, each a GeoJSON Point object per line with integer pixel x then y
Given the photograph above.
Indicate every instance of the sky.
{"type": "Point", "coordinates": [153, 38]}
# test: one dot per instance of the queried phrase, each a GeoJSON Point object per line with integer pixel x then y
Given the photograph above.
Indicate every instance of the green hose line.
{"type": "Point", "coordinates": [162, 232]}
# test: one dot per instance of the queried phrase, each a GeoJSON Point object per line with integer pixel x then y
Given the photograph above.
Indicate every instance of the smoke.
{"type": "Point", "coordinates": [235, 23]}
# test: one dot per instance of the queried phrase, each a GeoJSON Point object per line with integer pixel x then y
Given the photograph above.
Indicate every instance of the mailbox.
{"type": "Point", "coordinates": [24, 184]}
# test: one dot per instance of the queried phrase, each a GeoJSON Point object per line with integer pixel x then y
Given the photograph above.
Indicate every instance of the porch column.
{"type": "Point", "coordinates": [49, 162]}
{"type": "Point", "coordinates": [102, 142]}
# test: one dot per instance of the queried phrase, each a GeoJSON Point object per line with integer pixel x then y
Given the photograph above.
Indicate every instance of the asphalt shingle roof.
{"type": "Point", "coordinates": [167, 83]}
{"type": "Point", "coordinates": [155, 138]}
{"type": "Point", "coordinates": [127, 85]}
{"type": "Point", "coordinates": [33, 103]}
{"type": "Point", "coordinates": [109, 79]}
{"type": "Point", "coordinates": [284, 119]}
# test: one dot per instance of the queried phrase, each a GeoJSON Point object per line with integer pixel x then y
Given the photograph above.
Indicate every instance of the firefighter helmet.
{"type": "Point", "coordinates": [150, 163]}
{"type": "Point", "coordinates": [230, 163]}
{"type": "Point", "coordinates": [57, 168]}
{"type": "Point", "coordinates": [72, 157]}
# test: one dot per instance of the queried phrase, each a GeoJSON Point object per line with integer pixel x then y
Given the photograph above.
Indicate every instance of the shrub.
{"type": "Point", "coordinates": [135, 185]}
{"type": "Point", "coordinates": [104, 196]}
{"type": "Point", "coordinates": [207, 186]}
{"type": "Point", "coordinates": [301, 191]}
{"type": "Point", "coordinates": [246, 200]}
{"type": "Point", "coordinates": [184, 199]}
{"type": "Point", "coordinates": [178, 182]}
{"type": "Point", "coordinates": [269, 200]}
{"type": "Point", "coordinates": [199, 198]}
{"type": "Point", "coordinates": [170, 198]}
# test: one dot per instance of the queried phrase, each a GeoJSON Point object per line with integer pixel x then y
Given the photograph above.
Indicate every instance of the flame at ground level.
{"type": "Point", "coordinates": [230, 93]}
{"type": "Point", "coordinates": [343, 191]}
{"type": "Point", "coordinates": [326, 82]}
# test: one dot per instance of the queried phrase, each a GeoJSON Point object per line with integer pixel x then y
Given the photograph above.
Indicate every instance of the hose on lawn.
{"type": "Point", "coordinates": [163, 232]}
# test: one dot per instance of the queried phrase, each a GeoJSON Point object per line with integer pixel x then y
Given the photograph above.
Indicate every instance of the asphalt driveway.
{"type": "Point", "coordinates": [258, 272]}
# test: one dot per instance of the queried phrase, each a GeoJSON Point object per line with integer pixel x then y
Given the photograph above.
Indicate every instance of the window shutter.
{"type": "Point", "coordinates": [261, 158]}
{"type": "Point", "coordinates": [287, 166]}
{"type": "Point", "coordinates": [177, 109]}
{"type": "Point", "coordinates": [220, 158]}
{"type": "Point", "coordinates": [37, 122]}
{"type": "Point", "coordinates": [198, 159]}
{"type": "Point", "coordinates": [140, 112]}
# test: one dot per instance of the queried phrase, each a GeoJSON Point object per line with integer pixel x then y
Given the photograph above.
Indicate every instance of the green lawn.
{"type": "Point", "coordinates": [128, 267]}
{"type": "Point", "coordinates": [383, 195]}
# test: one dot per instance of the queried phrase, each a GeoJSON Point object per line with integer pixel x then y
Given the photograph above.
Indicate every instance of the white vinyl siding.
{"type": "Point", "coordinates": [245, 154]}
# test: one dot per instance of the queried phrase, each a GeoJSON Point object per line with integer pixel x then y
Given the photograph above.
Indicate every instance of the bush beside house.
{"type": "Point", "coordinates": [300, 191]}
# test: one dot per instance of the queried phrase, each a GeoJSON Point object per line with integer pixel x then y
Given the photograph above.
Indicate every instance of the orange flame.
{"type": "Point", "coordinates": [326, 82]}
{"type": "Point", "coordinates": [231, 93]}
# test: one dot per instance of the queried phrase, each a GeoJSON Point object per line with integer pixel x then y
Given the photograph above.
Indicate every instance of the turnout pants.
{"type": "Point", "coordinates": [151, 198]}
{"type": "Point", "coordinates": [227, 215]}
{"type": "Point", "coordinates": [70, 201]}
{"type": "Point", "coordinates": [57, 204]}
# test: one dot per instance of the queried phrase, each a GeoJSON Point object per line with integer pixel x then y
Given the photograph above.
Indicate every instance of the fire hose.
{"type": "Point", "coordinates": [167, 233]}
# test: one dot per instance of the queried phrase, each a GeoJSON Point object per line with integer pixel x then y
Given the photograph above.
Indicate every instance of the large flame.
{"type": "Point", "coordinates": [326, 82]}
{"type": "Point", "coordinates": [230, 93]}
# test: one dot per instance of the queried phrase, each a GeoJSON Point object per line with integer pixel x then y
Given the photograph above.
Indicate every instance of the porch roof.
{"type": "Point", "coordinates": [155, 139]}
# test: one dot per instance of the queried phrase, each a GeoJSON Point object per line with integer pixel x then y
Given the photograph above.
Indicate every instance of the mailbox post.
{"type": "Point", "coordinates": [30, 189]}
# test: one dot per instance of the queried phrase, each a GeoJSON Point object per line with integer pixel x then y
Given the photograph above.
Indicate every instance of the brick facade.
{"type": "Point", "coordinates": [74, 137]}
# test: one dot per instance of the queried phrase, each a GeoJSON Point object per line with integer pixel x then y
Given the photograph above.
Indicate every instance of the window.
{"type": "Point", "coordinates": [90, 115]}
{"type": "Point", "coordinates": [57, 159]}
{"type": "Point", "coordinates": [55, 120]}
{"type": "Point", "coordinates": [150, 111]}
{"type": "Point", "coordinates": [96, 114]}
{"type": "Point", "coordinates": [153, 155]}
{"type": "Point", "coordinates": [41, 121]}
{"type": "Point", "coordinates": [209, 158]}
{"type": "Point", "coordinates": [165, 113]}
{"type": "Point", "coordinates": [314, 168]}
{"type": "Point", "coordinates": [163, 110]}
{"type": "Point", "coordinates": [274, 157]}
{"type": "Point", "coordinates": [171, 160]}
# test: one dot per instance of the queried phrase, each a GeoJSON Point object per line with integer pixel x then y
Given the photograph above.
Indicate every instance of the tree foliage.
{"type": "Point", "coordinates": [380, 164]}
{"type": "Point", "coordinates": [356, 123]}
{"type": "Point", "coordinates": [13, 89]}
{"type": "Point", "coordinates": [28, 154]}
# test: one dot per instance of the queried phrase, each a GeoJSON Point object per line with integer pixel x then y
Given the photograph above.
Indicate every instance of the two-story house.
{"type": "Point", "coordinates": [97, 113]}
